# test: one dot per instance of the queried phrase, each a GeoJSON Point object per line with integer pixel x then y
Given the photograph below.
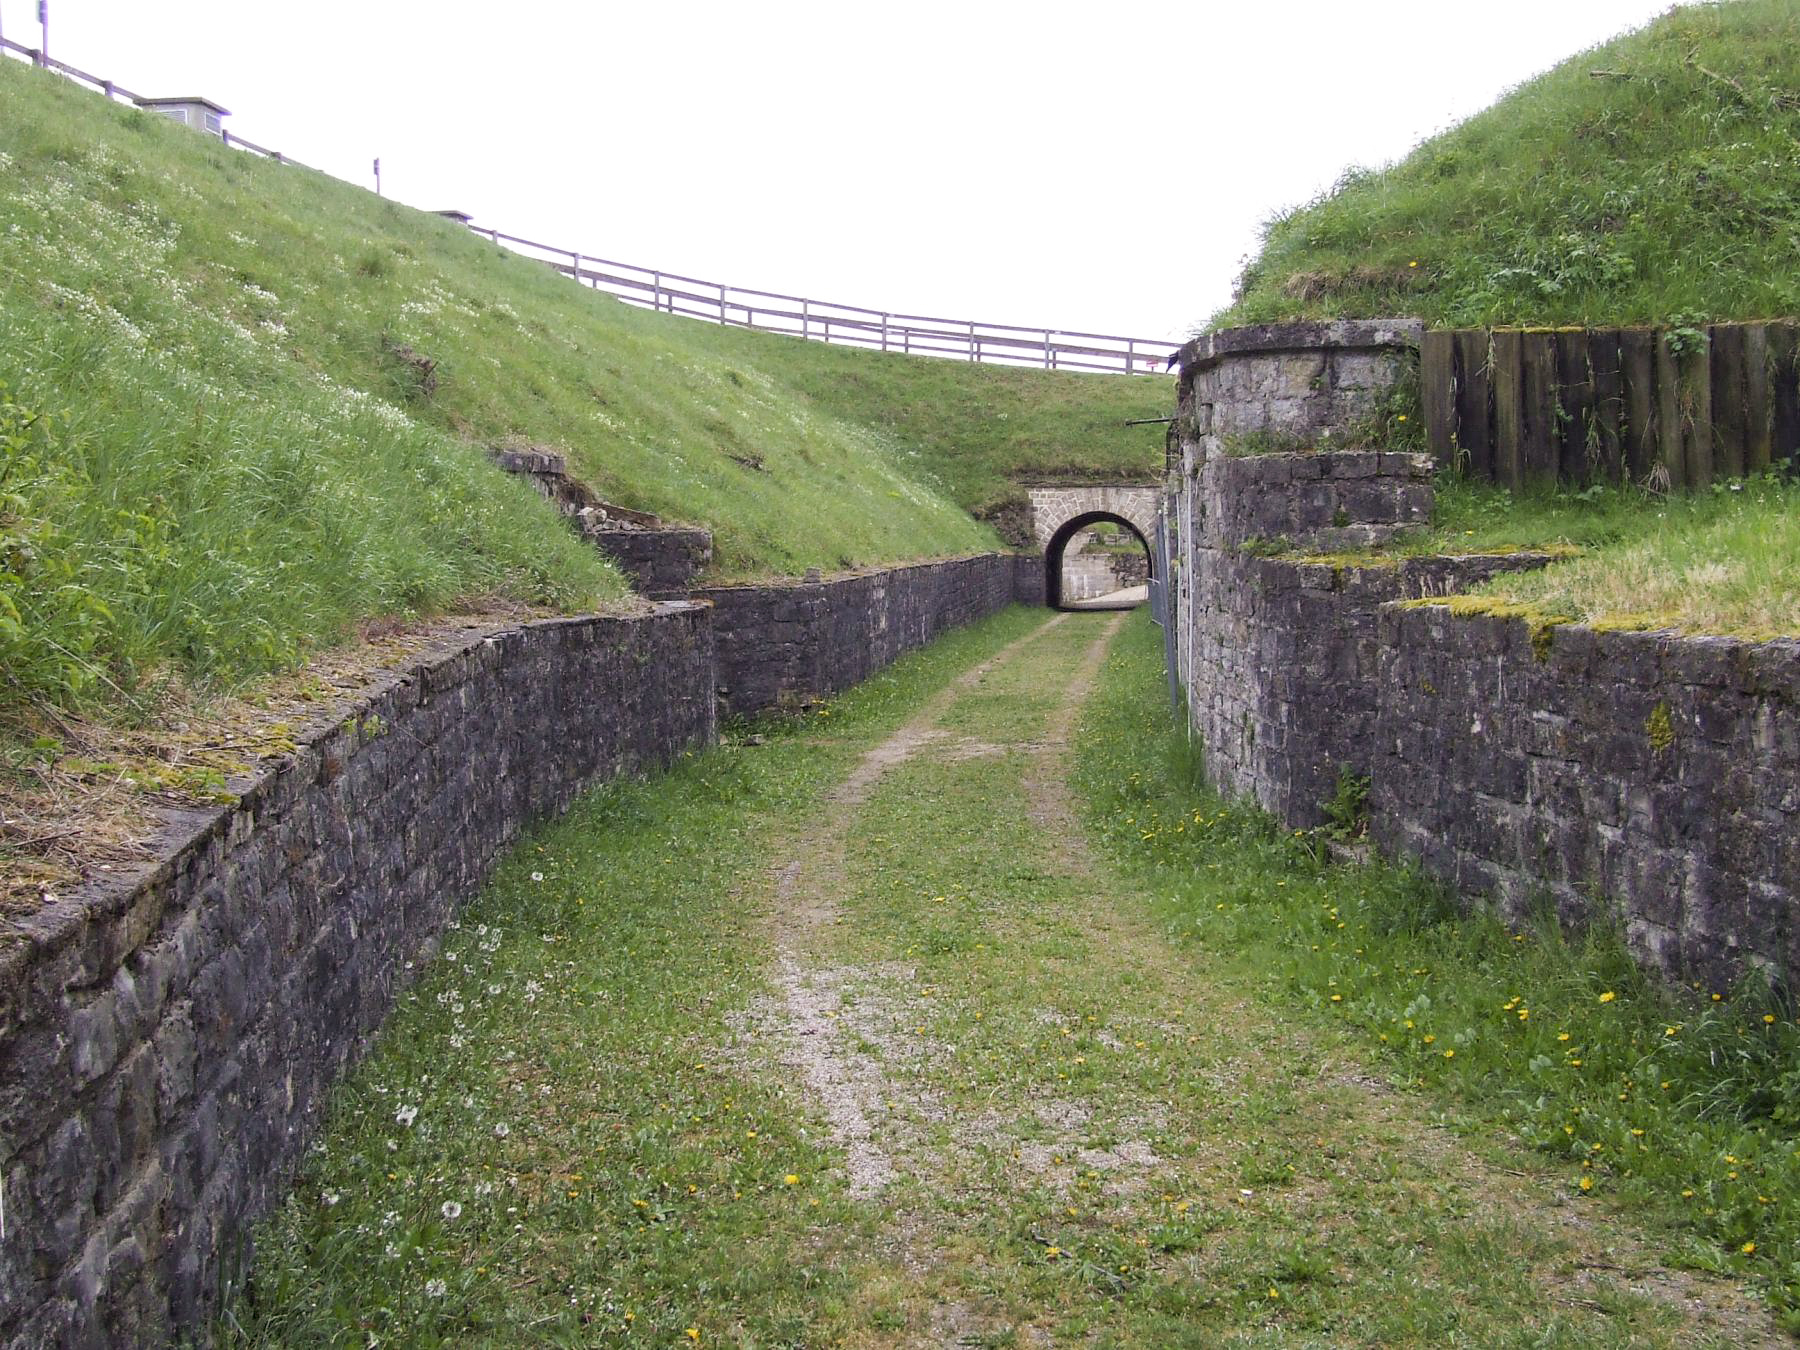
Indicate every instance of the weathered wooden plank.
{"type": "Point", "coordinates": [1671, 461]}
{"type": "Point", "coordinates": [1507, 376]}
{"type": "Point", "coordinates": [1437, 381]}
{"type": "Point", "coordinates": [1637, 368]}
{"type": "Point", "coordinates": [1474, 408]}
{"type": "Point", "coordinates": [1784, 392]}
{"type": "Point", "coordinates": [1609, 406]}
{"type": "Point", "coordinates": [1727, 393]}
{"type": "Point", "coordinates": [1695, 396]}
{"type": "Point", "coordinates": [1574, 410]}
{"type": "Point", "coordinates": [1541, 438]}
{"type": "Point", "coordinates": [1758, 442]}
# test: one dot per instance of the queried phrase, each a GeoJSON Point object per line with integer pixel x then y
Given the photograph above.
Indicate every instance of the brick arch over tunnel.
{"type": "Point", "coordinates": [1058, 545]}
{"type": "Point", "coordinates": [1052, 508]}
{"type": "Point", "coordinates": [1059, 513]}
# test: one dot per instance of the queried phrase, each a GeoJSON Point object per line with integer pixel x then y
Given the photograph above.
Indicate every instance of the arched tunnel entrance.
{"type": "Point", "coordinates": [1097, 560]}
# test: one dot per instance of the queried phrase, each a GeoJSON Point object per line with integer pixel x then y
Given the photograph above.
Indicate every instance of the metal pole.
{"type": "Point", "coordinates": [656, 291]}
{"type": "Point", "coordinates": [44, 29]}
{"type": "Point", "coordinates": [377, 177]}
{"type": "Point", "coordinates": [806, 318]}
{"type": "Point", "coordinates": [721, 302]}
{"type": "Point", "coordinates": [884, 326]}
{"type": "Point", "coordinates": [575, 261]}
{"type": "Point", "coordinates": [1047, 349]}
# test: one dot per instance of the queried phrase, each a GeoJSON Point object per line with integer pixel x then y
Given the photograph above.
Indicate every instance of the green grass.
{"type": "Point", "coordinates": [1656, 192]}
{"type": "Point", "coordinates": [1680, 1108]}
{"type": "Point", "coordinates": [223, 446]}
{"type": "Point", "coordinates": [568, 1058]}
{"type": "Point", "coordinates": [1723, 561]}
{"type": "Point", "coordinates": [1116, 1113]}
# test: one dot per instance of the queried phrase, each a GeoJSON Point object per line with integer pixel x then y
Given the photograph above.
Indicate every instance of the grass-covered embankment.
{"type": "Point", "coordinates": [248, 405]}
{"type": "Point", "coordinates": [1679, 1108]}
{"type": "Point", "coordinates": [1652, 177]}
{"type": "Point", "coordinates": [1724, 561]}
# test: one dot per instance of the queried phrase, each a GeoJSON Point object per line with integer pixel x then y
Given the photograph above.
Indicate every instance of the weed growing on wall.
{"type": "Point", "coordinates": [1681, 1106]}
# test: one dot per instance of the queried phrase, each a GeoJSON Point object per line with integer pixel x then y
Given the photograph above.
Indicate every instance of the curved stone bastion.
{"type": "Point", "coordinates": [168, 1038]}
{"type": "Point", "coordinates": [1649, 777]}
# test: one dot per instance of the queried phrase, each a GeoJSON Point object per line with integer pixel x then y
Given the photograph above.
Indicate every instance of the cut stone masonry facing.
{"type": "Point", "coordinates": [168, 1038]}
{"type": "Point", "coordinates": [661, 560]}
{"type": "Point", "coordinates": [1653, 777]}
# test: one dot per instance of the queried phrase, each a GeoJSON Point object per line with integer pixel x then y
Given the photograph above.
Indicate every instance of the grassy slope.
{"type": "Point", "coordinates": [242, 462]}
{"type": "Point", "coordinates": [1725, 561]}
{"type": "Point", "coordinates": [1655, 192]}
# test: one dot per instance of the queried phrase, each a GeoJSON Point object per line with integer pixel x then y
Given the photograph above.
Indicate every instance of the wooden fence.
{"type": "Point", "coordinates": [856, 325]}
{"type": "Point", "coordinates": [119, 91]}
{"type": "Point", "coordinates": [771, 311]}
{"type": "Point", "coordinates": [1678, 407]}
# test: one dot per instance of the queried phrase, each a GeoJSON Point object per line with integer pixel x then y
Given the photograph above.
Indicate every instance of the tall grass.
{"type": "Point", "coordinates": [222, 448]}
{"type": "Point", "coordinates": [1665, 185]}
{"type": "Point", "coordinates": [1679, 1104]}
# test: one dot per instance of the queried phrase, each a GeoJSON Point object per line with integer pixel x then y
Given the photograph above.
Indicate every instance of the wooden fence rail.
{"type": "Point", "coordinates": [857, 325]}
{"type": "Point", "coordinates": [771, 311]}
{"type": "Point", "coordinates": [1675, 406]}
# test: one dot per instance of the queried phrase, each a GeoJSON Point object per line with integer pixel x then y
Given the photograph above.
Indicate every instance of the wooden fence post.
{"type": "Point", "coordinates": [1509, 408]}
{"type": "Point", "coordinates": [1637, 368]}
{"type": "Point", "coordinates": [656, 291]}
{"type": "Point", "coordinates": [1437, 380]}
{"type": "Point", "coordinates": [1474, 404]}
{"type": "Point", "coordinates": [884, 332]}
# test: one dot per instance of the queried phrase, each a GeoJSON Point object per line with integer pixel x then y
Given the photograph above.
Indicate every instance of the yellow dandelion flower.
{"type": "Point", "coordinates": [692, 1333]}
{"type": "Point", "coordinates": [1748, 1249]}
{"type": "Point", "coordinates": [1608, 996]}
{"type": "Point", "coordinates": [1587, 1183]}
{"type": "Point", "coordinates": [790, 1180]}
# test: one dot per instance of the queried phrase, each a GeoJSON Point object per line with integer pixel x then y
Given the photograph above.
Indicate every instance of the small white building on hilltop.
{"type": "Point", "coordinates": [202, 114]}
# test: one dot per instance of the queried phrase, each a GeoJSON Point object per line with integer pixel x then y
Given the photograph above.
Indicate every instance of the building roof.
{"type": "Point", "coordinates": [185, 98]}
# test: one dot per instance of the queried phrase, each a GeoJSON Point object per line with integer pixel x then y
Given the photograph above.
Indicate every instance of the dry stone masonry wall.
{"type": "Point", "coordinates": [167, 1041]}
{"type": "Point", "coordinates": [790, 643]}
{"type": "Point", "coordinates": [661, 561]}
{"type": "Point", "coordinates": [1590, 767]}
{"type": "Point", "coordinates": [1649, 776]}
{"type": "Point", "coordinates": [166, 1044]}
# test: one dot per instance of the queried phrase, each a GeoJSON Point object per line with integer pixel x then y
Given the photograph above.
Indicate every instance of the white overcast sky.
{"type": "Point", "coordinates": [1086, 166]}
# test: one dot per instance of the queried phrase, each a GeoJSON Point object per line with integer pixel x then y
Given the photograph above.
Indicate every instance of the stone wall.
{"type": "Point", "coordinates": [166, 1042]}
{"type": "Point", "coordinates": [789, 643]}
{"type": "Point", "coordinates": [1285, 385]}
{"type": "Point", "coordinates": [1053, 506]}
{"type": "Point", "coordinates": [660, 560]}
{"type": "Point", "coordinates": [1286, 690]}
{"type": "Point", "coordinates": [1342, 500]}
{"type": "Point", "coordinates": [663, 562]}
{"type": "Point", "coordinates": [1649, 774]}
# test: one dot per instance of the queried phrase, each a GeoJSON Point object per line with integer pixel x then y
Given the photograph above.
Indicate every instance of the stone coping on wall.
{"type": "Point", "coordinates": [1299, 336]}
